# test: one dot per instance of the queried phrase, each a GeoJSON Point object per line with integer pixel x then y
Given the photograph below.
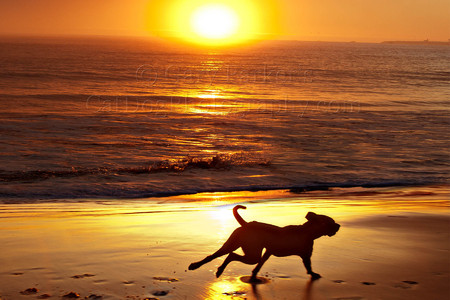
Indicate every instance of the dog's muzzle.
{"type": "Point", "coordinates": [335, 229]}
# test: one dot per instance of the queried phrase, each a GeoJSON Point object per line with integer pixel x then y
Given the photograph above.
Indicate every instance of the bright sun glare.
{"type": "Point", "coordinates": [214, 21]}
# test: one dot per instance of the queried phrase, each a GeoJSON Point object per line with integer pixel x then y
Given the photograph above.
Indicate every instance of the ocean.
{"type": "Point", "coordinates": [90, 118]}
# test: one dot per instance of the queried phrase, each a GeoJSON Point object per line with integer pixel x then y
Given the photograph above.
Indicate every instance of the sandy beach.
{"type": "Point", "coordinates": [393, 244]}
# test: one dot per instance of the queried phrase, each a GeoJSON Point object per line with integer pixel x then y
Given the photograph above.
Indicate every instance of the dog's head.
{"type": "Point", "coordinates": [323, 225]}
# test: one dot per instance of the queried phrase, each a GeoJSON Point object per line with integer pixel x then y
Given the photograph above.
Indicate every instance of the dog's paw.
{"type": "Point", "coordinates": [194, 266]}
{"type": "Point", "coordinates": [219, 272]}
{"type": "Point", "coordinates": [254, 279]}
{"type": "Point", "coordinates": [315, 276]}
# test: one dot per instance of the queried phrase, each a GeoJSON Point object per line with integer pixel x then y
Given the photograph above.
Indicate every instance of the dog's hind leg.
{"type": "Point", "coordinates": [261, 262]}
{"type": "Point", "coordinates": [235, 257]}
{"type": "Point", "coordinates": [250, 257]}
{"type": "Point", "coordinates": [230, 245]}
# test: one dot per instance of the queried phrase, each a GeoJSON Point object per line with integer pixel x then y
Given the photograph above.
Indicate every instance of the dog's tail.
{"type": "Point", "coordinates": [237, 216]}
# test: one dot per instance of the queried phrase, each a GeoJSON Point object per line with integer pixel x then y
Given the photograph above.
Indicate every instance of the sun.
{"type": "Point", "coordinates": [214, 21]}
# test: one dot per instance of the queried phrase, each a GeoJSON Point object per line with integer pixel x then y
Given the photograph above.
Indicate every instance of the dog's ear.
{"type": "Point", "coordinates": [310, 216]}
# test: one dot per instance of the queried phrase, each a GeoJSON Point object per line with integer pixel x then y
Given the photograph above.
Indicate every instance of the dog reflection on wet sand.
{"type": "Point", "coordinates": [253, 237]}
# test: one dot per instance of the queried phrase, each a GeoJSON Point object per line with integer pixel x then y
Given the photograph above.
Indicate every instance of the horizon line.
{"type": "Point", "coordinates": [153, 37]}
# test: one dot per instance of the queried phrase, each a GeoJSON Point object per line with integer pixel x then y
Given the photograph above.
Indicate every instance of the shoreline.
{"type": "Point", "coordinates": [393, 244]}
{"type": "Point", "coordinates": [273, 192]}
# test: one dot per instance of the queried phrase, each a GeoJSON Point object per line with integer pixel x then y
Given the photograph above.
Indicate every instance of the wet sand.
{"type": "Point", "coordinates": [393, 244]}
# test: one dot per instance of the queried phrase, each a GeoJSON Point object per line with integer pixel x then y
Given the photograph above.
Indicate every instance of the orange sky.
{"type": "Point", "coordinates": [332, 20]}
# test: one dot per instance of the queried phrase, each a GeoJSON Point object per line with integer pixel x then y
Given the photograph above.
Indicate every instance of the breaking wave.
{"type": "Point", "coordinates": [218, 162]}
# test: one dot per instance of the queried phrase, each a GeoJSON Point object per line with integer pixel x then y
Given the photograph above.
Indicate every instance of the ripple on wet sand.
{"type": "Point", "coordinates": [259, 280]}
{"type": "Point", "coordinates": [29, 291]}
{"type": "Point", "coordinates": [168, 279]}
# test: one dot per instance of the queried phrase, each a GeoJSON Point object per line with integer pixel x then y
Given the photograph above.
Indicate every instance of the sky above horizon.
{"type": "Point", "coordinates": [332, 20]}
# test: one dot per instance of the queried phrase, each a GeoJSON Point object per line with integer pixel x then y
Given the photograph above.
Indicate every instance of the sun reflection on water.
{"type": "Point", "coordinates": [208, 96]}
{"type": "Point", "coordinates": [222, 214]}
{"type": "Point", "coordinates": [226, 288]}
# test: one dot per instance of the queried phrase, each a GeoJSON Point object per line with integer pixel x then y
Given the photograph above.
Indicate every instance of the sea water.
{"type": "Point", "coordinates": [127, 118]}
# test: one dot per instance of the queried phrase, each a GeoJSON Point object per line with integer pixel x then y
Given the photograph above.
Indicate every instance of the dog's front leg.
{"type": "Point", "coordinates": [258, 267]}
{"type": "Point", "coordinates": [307, 263]}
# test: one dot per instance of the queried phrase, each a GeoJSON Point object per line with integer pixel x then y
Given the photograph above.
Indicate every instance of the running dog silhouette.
{"type": "Point", "coordinates": [253, 237]}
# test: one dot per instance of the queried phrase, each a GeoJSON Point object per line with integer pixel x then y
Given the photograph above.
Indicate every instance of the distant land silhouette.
{"type": "Point", "coordinates": [424, 42]}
